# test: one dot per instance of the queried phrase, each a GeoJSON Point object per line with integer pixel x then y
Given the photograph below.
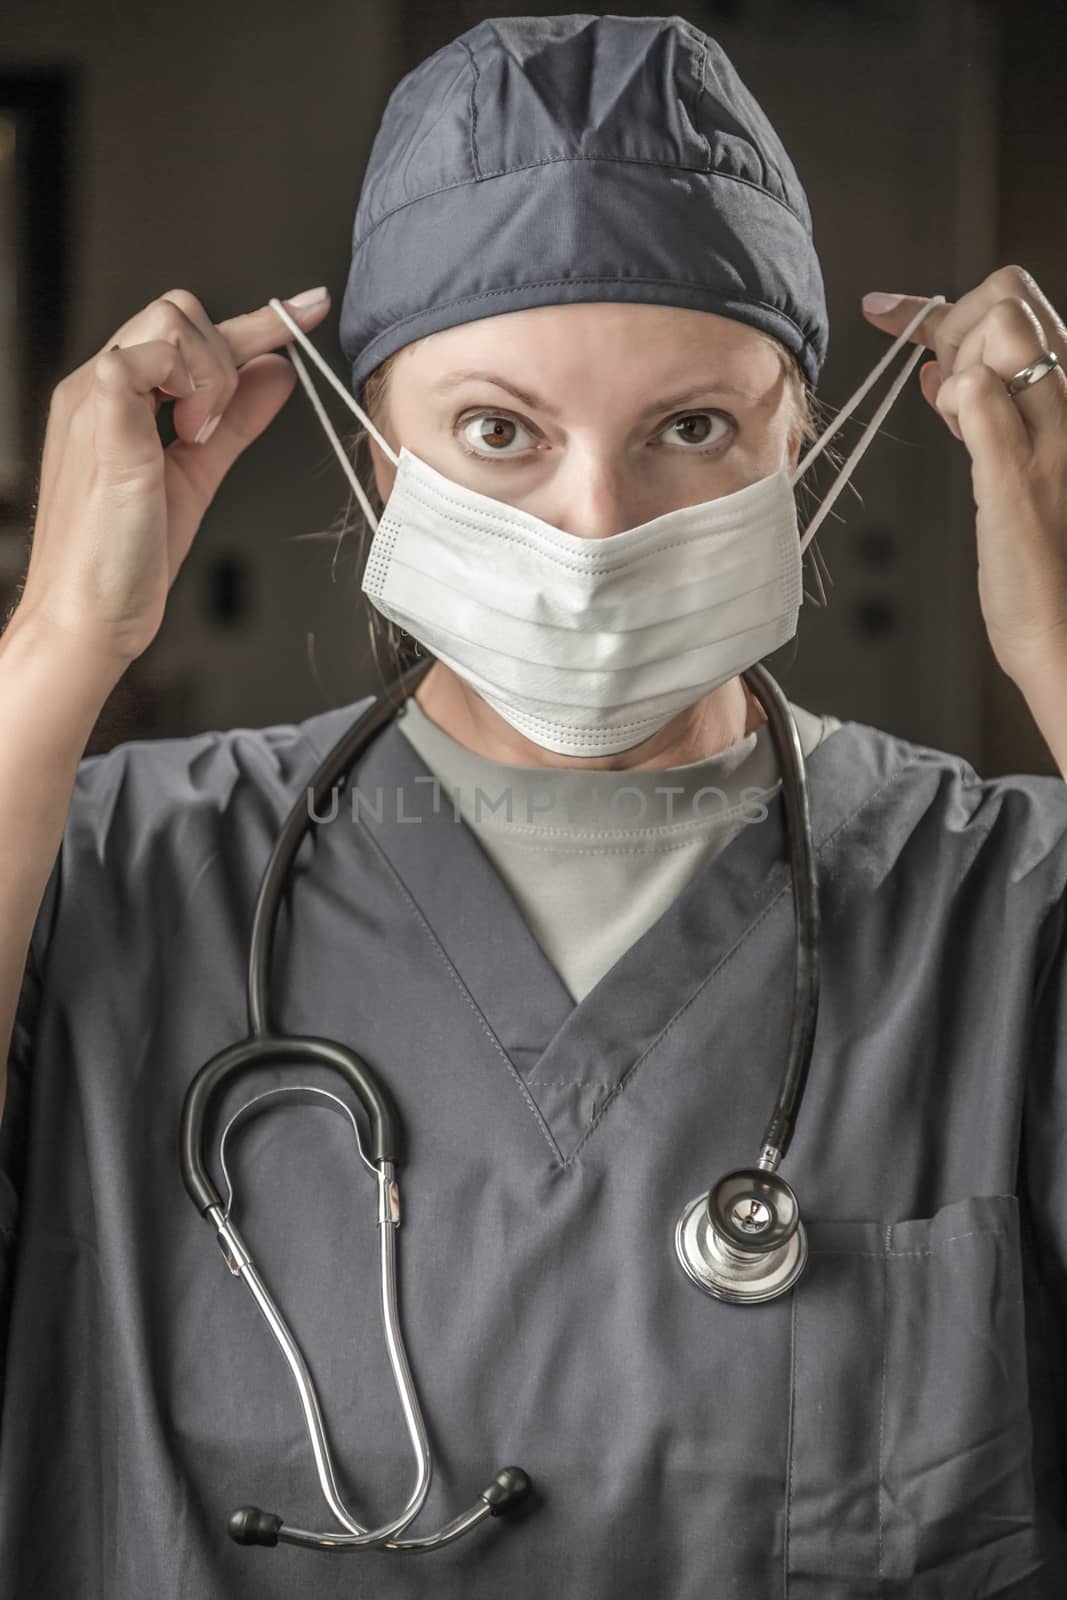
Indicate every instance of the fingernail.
{"type": "Point", "coordinates": [310, 297]}
{"type": "Point", "coordinates": [878, 304]}
{"type": "Point", "coordinates": [208, 429]}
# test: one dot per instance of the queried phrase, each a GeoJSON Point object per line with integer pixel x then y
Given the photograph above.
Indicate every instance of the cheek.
{"type": "Point", "coordinates": [429, 437]}
{"type": "Point", "coordinates": [384, 474]}
{"type": "Point", "coordinates": [755, 453]}
{"type": "Point", "coordinates": [782, 443]}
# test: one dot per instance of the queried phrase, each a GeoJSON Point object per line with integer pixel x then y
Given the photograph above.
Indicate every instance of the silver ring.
{"type": "Point", "coordinates": [1033, 374]}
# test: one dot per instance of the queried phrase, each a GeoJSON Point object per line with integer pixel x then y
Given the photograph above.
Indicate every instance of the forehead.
{"type": "Point", "coordinates": [596, 346]}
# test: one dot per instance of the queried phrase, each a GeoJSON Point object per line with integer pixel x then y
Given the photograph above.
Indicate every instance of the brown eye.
{"type": "Point", "coordinates": [696, 429]}
{"type": "Point", "coordinates": [496, 431]}
{"type": "Point", "coordinates": [490, 434]}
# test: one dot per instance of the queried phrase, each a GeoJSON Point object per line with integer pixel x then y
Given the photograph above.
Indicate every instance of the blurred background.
{"type": "Point", "coordinates": [221, 148]}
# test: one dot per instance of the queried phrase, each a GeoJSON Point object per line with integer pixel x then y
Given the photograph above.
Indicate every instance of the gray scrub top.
{"type": "Point", "coordinates": [895, 1425]}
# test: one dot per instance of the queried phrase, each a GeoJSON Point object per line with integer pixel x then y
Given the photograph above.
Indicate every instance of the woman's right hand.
{"type": "Point", "coordinates": [117, 512]}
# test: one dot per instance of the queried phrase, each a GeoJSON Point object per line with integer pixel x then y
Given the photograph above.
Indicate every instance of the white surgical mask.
{"type": "Point", "coordinates": [590, 646]}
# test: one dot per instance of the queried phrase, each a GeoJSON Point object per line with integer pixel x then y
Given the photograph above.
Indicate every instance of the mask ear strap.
{"type": "Point", "coordinates": [331, 377]}
{"type": "Point", "coordinates": [875, 423]}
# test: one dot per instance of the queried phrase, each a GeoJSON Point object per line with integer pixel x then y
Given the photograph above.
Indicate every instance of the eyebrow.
{"type": "Point", "coordinates": [665, 403]}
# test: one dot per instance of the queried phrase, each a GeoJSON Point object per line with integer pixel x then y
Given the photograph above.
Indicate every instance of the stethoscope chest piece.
{"type": "Point", "coordinates": [744, 1242]}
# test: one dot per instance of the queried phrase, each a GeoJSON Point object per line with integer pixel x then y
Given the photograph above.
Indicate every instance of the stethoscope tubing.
{"type": "Point", "coordinates": [779, 1131]}
{"type": "Point", "coordinates": [263, 1047]}
{"type": "Point", "coordinates": [248, 1524]}
{"type": "Point", "coordinates": [333, 769]}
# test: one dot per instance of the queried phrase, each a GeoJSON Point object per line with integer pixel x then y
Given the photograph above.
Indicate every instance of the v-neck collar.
{"type": "Point", "coordinates": [572, 1057]}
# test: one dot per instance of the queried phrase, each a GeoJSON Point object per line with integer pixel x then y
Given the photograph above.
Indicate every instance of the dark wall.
{"type": "Point", "coordinates": [221, 149]}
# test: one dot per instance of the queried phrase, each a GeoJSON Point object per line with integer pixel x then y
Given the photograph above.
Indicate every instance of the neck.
{"type": "Point", "coordinates": [714, 723]}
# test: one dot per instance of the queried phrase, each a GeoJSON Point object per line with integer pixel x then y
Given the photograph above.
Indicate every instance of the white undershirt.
{"type": "Point", "coordinates": [593, 858]}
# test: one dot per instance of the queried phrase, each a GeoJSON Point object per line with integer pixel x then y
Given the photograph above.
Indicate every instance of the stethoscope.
{"type": "Point", "coordinates": [742, 1241]}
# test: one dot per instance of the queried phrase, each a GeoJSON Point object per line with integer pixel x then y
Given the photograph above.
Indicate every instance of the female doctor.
{"type": "Point", "coordinates": [584, 320]}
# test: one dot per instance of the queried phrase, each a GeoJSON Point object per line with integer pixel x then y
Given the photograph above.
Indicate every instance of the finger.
{"type": "Point", "coordinates": [236, 344]}
{"type": "Point", "coordinates": [1008, 339]}
{"type": "Point", "coordinates": [930, 381]}
{"type": "Point", "coordinates": [195, 421]}
{"type": "Point", "coordinates": [242, 339]}
{"type": "Point", "coordinates": [124, 381]}
{"type": "Point", "coordinates": [255, 332]}
{"type": "Point", "coordinates": [212, 353]}
{"type": "Point", "coordinates": [1009, 329]}
{"type": "Point", "coordinates": [989, 424]}
{"type": "Point", "coordinates": [206, 358]}
{"type": "Point", "coordinates": [1019, 283]}
{"type": "Point", "coordinates": [950, 324]}
{"type": "Point", "coordinates": [939, 330]}
{"type": "Point", "coordinates": [194, 472]}
{"type": "Point", "coordinates": [894, 318]}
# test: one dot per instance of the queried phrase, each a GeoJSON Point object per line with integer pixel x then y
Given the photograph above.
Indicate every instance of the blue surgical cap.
{"type": "Point", "coordinates": [548, 160]}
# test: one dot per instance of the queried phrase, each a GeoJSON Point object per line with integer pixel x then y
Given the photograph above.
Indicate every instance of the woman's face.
{"type": "Point", "coordinates": [593, 417]}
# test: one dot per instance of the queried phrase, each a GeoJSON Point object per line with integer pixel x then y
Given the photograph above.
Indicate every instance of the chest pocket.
{"type": "Point", "coordinates": [910, 1441]}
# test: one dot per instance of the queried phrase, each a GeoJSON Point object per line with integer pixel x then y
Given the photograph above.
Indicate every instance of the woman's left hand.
{"type": "Point", "coordinates": [1018, 450]}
